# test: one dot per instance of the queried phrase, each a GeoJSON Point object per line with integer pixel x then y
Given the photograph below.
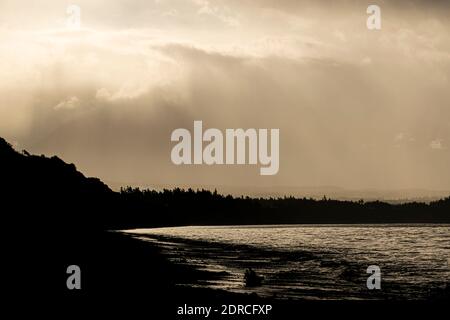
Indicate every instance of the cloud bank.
{"type": "Point", "coordinates": [355, 108]}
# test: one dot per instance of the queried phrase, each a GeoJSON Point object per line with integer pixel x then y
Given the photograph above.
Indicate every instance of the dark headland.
{"type": "Point", "coordinates": [53, 216]}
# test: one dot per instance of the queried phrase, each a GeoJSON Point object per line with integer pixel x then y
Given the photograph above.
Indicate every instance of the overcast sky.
{"type": "Point", "coordinates": [356, 108]}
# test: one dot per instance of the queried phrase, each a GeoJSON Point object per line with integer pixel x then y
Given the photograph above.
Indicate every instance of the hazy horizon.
{"type": "Point", "coordinates": [357, 109]}
{"type": "Point", "coordinates": [315, 192]}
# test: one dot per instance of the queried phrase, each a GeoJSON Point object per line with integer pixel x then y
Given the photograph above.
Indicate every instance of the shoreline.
{"type": "Point", "coordinates": [302, 274]}
{"type": "Point", "coordinates": [293, 225]}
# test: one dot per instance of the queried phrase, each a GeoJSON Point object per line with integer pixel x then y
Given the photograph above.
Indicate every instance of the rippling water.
{"type": "Point", "coordinates": [315, 261]}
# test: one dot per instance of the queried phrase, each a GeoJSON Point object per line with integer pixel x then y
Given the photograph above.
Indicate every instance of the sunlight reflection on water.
{"type": "Point", "coordinates": [412, 258]}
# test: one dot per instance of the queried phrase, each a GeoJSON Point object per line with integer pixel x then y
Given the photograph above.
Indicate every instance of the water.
{"type": "Point", "coordinates": [314, 261]}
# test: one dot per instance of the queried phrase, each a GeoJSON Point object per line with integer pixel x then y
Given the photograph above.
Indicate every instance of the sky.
{"type": "Point", "coordinates": [356, 108]}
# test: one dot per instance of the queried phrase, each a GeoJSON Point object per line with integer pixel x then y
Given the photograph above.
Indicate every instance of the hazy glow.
{"type": "Point", "coordinates": [355, 108]}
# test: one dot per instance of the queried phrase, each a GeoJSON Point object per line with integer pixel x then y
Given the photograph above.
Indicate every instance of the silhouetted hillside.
{"type": "Point", "coordinates": [49, 192]}
{"type": "Point", "coordinates": [54, 194]}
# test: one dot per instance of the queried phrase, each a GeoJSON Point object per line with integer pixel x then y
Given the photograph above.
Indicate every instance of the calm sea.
{"type": "Point", "coordinates": [314, 261]}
